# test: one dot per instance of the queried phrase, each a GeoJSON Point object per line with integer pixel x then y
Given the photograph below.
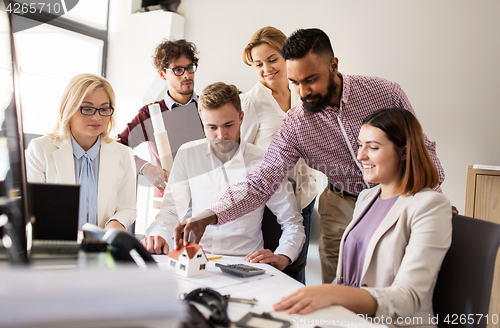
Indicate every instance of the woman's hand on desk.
{"type": "Point", "coordinates": [311, 298]}
{"type": "Point", "coordinates": [278, 261]}
{"type": "Point", "coordinates": [155, 245]}
{"type": "Point", "coordinates": [307, 299]}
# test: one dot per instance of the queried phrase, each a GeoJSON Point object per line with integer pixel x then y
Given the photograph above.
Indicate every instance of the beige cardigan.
{"type": "Point", "coordinates": [405, 253]}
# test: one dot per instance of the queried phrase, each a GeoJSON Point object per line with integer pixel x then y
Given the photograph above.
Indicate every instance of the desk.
{"type": "Point", "coordinates": [267, 288]}
{"type": "Point", "coordinates": [130, 297]}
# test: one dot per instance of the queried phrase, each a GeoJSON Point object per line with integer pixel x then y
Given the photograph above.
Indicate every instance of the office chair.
{"type": "Point", "coordinates": [271, 233]}
{"type": "Point", "coordinates": [464, 283]}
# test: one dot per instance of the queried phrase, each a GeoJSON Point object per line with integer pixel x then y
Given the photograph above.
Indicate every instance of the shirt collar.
{"type": "Point", "coordinates": [237, 157]}
{"type": "Point", "coordinates": [78, 151]}
{"type": "Point", "coordinates": [170, 102]}
{"type": "Point", "coordinates": [346, 87]}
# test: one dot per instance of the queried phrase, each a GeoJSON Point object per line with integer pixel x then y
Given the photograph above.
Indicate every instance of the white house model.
{"type": "Point", "coordinates": [189, 260]}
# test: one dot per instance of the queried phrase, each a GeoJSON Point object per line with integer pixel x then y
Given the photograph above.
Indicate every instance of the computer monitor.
{"type": "Point", "coordinates": [13, 186]}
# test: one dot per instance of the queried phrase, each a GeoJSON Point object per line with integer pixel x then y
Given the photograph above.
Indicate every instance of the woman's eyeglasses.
{"type": "Point", "coordinates": [89, 111]}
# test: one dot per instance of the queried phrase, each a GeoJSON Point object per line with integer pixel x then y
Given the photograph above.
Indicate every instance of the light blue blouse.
{"type": "Point", "coordinates": [88, 211]}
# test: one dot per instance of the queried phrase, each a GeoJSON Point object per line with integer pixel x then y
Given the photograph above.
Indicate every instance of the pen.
{"type": "Point", "coordinates": [213, 258]}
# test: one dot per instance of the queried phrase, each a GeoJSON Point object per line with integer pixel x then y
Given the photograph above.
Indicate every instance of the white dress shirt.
{"type": "Point", "coordinates": [263, 117]}
{"type": "Point", "coordinates": [199, 176]}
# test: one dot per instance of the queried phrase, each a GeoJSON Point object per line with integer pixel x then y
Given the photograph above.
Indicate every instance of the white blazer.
{"type": "Point", "coordinates": [405, 253]}
{"type": "Point", "coordinates": [51, 160]}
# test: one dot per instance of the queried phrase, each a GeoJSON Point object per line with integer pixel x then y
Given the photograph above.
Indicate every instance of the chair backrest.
{"type": "Point", "coordinates": [28, 137]}
{"type": "Point", "coordinates": [464, 283]}
{"type": "Point", "coordinates": [271, 230]}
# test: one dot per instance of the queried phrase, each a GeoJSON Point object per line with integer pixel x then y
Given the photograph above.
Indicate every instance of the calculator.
{"type": "Point", "coordinates": [241, 270]}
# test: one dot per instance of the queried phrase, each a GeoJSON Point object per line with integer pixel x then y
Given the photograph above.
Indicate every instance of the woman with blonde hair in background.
{"type": "Point", "coordinates": [81, 151]}
{"type": "Point", "coordinates": [391, 252]}
{"type": "Point", "coordinates": [265, 106]}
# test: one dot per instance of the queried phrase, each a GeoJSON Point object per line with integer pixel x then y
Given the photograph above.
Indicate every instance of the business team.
{"type": "Point", "coordinates": [380, 220]}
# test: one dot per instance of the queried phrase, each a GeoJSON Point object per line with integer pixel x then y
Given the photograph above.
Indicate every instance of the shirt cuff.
{"type": "Point", "coordinates": [118, 220]}
{"type": "Point", "coordinates": [291, 252]}
{"type": "Point", "coordinates": [140, 170]}
{"type": "Point", "coordinates": [385, 303]}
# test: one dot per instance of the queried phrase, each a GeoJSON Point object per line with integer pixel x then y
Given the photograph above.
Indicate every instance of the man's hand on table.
{"type": "Point", "coordinates": [278, 261]}
{"type": "Point", "coordinates": [155, 245]}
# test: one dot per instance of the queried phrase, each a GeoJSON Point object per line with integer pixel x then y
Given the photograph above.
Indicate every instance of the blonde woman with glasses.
{"type": "Point", "coordinates": [81, 151]}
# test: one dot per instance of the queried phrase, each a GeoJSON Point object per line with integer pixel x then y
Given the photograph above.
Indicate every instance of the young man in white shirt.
{"type": "Point", "coordinates": [203, 169]}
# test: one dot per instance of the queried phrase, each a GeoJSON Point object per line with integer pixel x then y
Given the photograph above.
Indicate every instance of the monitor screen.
{"type": "Point", "coordinates": [13, 200]}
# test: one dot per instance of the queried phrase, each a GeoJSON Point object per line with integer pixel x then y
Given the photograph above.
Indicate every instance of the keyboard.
{"type": "Point", "coordinates": [241, 270]}
{"type": "Point", "coordinates": [55, 247]}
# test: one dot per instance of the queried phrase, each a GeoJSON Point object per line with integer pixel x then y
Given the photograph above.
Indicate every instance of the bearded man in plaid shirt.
{"type": "Point", "coordinates": [323, 129]}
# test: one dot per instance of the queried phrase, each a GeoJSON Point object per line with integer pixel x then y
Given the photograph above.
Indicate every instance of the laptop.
{"type": "Point", "coordinates": [54, 218]}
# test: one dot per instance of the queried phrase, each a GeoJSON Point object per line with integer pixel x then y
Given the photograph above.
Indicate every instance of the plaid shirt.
{"type": "Point", "coordinates": [320, 139]}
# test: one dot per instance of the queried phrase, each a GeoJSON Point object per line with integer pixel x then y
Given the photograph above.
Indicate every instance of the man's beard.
{"type": "Point", "coordinates": [319, 102]}
{"type": "Point", "coordinates": [223, 146]}
{"type": "Point", "coordinates": [186, 92]}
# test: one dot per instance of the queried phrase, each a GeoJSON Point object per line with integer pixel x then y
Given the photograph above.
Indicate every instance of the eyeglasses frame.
{"type": "Point", "coordinates": [184, 69]}
{"type": "Point", "coordinates": [96, 110]}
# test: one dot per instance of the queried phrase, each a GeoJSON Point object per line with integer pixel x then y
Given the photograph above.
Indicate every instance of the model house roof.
{"type": "Point", "coordinates": [191, 250]}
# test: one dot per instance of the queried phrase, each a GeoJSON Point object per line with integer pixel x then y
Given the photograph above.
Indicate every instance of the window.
{"type": "Point", "coordinates": [50, 54]}
{"type": "Point", "coordinates": [48, 58]}
{"type": "Point", "coordinates": [202, 266]}
{"type": "Point", "coordinates": [182, 267]}
{"type": "Point", "coordinates": [172, 263]}
{"type": "Point", "coordinates": [198, 256]}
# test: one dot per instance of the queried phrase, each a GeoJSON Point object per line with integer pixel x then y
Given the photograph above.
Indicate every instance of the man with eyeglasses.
{"type": "Point", "coordinates": [176, 62]}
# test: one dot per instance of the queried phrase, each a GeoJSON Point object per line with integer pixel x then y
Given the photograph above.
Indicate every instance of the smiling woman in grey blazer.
{"type": "Point", "coordinates": [80, 151]}
{"type": "Point", "coordinates": [392, 250]}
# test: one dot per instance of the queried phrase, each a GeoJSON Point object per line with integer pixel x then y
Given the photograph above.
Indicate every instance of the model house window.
{"type": "Point", "coordinates": [183, 267]}
{"type": "Point", "coordinates": [202, 266]}
{"type": "Point", "coordinates": [198, 256]}
{"type": "Point", "coordinates": [172, 264]}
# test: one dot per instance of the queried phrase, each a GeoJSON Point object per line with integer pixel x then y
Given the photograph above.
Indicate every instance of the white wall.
{"type": "Point", "coordinates": [443, 53]}
{"type": "Point", "coordinates": [132, 40]}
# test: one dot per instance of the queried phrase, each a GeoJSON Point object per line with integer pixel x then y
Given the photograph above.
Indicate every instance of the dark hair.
{"type": "Point", "coordinates": [218, 94]}
{"type": "Point", "coordinates": [169, 50]}
{"type": "Point", "coordinates": [303, 41]}
{"type": "Point", "coordinates": [417, 171]}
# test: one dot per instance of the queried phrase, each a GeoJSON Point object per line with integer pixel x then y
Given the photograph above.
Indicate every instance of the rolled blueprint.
{"type": "Point", "coordinates": [161, 137]}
